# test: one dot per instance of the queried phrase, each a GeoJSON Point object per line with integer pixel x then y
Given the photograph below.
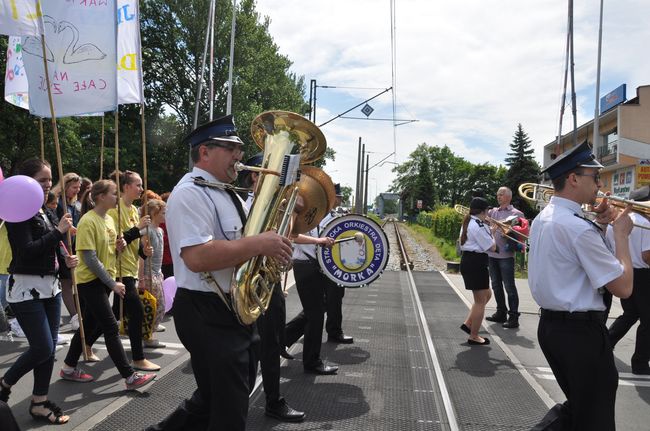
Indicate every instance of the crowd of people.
{"type": "Point", "coordinates": [93, 235]}
{"type": "Point", "coordinates": [575, 266]}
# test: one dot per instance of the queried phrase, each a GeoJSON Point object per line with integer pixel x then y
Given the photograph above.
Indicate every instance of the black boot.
{"type": "Point", "coordinates": [498, 317]}
{"type": "Point", "coordinates": [513, 322]}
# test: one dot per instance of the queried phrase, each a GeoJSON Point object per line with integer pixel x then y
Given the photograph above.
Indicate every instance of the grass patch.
{"type": "Point", "coordinates": [446, 248]}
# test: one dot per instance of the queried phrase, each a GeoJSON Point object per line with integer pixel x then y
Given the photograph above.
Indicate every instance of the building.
{"type": "Point", "coordinates": [623, 146]}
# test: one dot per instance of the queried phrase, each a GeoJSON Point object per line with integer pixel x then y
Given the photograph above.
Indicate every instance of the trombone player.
{"type": "Point", "coordinates": [502, 265]}
{"type": "Point", "coordinates": [570, 267]}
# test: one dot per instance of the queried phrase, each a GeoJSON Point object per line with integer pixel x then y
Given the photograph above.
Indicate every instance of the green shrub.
{"type": "Point", "coordinates": [446, 224]}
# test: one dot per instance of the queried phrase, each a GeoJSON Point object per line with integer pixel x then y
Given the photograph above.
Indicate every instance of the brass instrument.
{"type": "Point", "coordinates": [286, 138]}
{"type": "Point", "coordinates": [505, 228]}
{"type": "Point", "coordinates": [540, 194]}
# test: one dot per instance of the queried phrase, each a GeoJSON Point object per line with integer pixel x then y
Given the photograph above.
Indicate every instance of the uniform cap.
{"type": "Point", "coordinates": [478, 204]}
{"type": "Point", "coordinates": [579, 156]}
{"type": "Point", "coordinates": [222, 129]}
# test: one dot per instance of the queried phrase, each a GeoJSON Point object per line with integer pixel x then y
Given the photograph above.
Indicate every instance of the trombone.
{"type": "Point", "coordinates": [505, 228]}
{"type": "Point", "coordinates": [541, 194]}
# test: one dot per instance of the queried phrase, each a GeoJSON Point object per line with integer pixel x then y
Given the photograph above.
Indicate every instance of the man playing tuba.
{"type": "Point", "coordinates": [205, 237]}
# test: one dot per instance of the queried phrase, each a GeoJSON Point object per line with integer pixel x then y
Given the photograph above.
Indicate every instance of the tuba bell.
{"type": "Point", "coordinates": [288, 141]}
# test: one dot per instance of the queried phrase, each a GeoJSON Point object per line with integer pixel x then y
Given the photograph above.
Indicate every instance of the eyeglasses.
{"type": "Point", "coordinates": [596, 177]}
{"type": "Point", "coordinates": [230, 146]}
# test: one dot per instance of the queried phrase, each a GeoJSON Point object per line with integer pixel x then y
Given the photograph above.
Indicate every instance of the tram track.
{"type": "Point", "coordinates": [442, 397]}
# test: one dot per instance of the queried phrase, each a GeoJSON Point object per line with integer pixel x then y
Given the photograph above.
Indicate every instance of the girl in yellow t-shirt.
{"type": "Point", "coordinates": [132, 227]}
{"type": "Point", "coordinates": [98, 243]}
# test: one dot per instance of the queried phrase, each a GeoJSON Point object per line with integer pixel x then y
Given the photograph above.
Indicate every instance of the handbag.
{"type": "Point", "coordinates": [148, 319]}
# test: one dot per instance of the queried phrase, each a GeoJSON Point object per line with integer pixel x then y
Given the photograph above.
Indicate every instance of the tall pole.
{"type": "Point", "coordinates": [595, 141]}
{"type": "Point", "coordinates": [574, 108]}
{"type": "Point", "coordinates": [359, 206]}
{"type": "Point", "coordinates": [365, 187]}
{"type": "Point", "coordinates": [199, 78]}
{"type": "Point", "coordinates": [232, 58]}
{"type": "Point", "coordinates": [212, 68]}
{"type": "Point", "coordinates": [357, 187]}
{"type": "Point", "coordinates": [312, 101]}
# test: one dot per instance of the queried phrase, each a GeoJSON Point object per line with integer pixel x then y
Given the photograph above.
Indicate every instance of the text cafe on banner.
{"type": "Point", "coordinates": [81, 52]}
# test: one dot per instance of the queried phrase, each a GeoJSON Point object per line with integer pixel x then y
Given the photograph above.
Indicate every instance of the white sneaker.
{"type": "Point", "coordinates": [16, 329]}
{"type": "Point", "coordinates": [74, 322]}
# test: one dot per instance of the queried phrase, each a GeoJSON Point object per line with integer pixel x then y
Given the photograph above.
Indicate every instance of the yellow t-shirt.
{"type": "Point", "coordinates": [98, 233]}
{"type": "Point", "coordinates": [129, 257]}
{"type": "Point", "coordinates": [5, 250]}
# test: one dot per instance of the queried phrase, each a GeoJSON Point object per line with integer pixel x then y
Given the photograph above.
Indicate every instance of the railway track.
{"type": "Point", "coordinates": [443, 401]}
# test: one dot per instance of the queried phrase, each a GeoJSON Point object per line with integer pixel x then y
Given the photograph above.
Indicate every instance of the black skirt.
{"type": "Point", "coordinates": [474, 269]}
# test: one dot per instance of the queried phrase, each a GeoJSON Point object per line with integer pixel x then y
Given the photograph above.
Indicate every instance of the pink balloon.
{"type": "Point", "coordinates": [169, 289]}
{"type": "Point", "coordinates": [20, 198]}
{"type": "Point", "coordinates": [2, 177]}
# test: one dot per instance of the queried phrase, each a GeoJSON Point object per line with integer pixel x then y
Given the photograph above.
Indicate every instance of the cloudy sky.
{"type": "Point", "coordinates": [467, 70]}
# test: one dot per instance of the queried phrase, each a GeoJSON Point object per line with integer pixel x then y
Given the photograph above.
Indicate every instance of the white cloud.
{"type": "Point", "coordinates": [468, 70]}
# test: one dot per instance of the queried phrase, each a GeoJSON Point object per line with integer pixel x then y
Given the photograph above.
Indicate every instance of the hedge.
{"type": "Point", "coordinates": [444, 222]}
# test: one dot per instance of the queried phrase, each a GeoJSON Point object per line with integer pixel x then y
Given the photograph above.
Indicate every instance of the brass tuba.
{"type": "Point", "coordinates": [288, 141]}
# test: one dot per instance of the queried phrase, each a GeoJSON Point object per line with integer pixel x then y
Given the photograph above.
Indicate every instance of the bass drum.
{"type": "Point", "coordinates": [360, 253]}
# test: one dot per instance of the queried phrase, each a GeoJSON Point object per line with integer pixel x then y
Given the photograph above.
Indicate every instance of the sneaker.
{"type": "Point", "coordinates": [137, 380]}
{"type": "Point", "coordinates": [74, 322]}
{"type": "Point", "coordinates": [160, 328]}
{"type": "Point", "coordinates": [76, 375]}
{"type": "Point", "coordinates": [61, 340]}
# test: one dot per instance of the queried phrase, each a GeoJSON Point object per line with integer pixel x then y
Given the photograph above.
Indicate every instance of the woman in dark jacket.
{"type": "Point", "coordinates": [34, 293]}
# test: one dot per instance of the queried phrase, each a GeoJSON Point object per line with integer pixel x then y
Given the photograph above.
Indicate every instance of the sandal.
{"type": "Point", "coordinates": [4, 391]}
{"type": "Point", "coordinates": [55, 412]}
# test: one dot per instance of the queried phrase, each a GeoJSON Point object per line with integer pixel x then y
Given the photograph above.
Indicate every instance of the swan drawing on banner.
{"type": "Point", "coordinates": [77, 54]}
{"type": "Point", "coordinates": [32, 44]}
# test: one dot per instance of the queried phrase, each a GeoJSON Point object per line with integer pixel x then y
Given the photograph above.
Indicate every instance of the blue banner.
{"type": "Point", "coordinates": [612, 99]}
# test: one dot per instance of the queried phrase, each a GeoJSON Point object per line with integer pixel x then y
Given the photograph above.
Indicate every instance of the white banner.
{"type": "Point", "coordinates": [20, 17]}
{"type": "Point", "coordinates": [16, 86]}
{"type": "Point", "coordinates": [129, 60]}
{"type": "Point", "coordinates": [81, 51]}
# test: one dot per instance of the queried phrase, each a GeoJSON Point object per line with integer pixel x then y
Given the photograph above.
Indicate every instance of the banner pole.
{"type": "Point", "coordinates": [101, 151]}
{"type": "Point", "coordinates": [40, 128]}
{"type": "Point", "coordinates": [59, 164]}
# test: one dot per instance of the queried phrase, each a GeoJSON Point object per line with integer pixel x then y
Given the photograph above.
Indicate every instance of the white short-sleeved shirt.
{"type": "Point", "coordinates": [639, 240]}
{"type": "Point", "coordinates": [569, 259]}
{"type": "Point", "coordinates": [308, 251]}
{"type": "Point", "coordinates": [197, 215]}
{"type": "Point", "coordinates": [479, 236]}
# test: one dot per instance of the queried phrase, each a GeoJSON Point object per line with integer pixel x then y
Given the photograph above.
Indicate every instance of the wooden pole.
{"type": "Point", "coordinates": [101, 152]}
{"type": "Point", "coordinates": [59, 164]}
{"type": "Point", "coordinates": [40, 128]}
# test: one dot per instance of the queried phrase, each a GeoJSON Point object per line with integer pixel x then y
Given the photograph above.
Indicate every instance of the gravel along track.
{"type": "Point", "coordinates": [425, 257]}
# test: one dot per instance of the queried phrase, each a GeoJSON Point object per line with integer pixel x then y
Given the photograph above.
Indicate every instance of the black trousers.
{"type": "Point", "coordinates": [223, 362]}
{"type": "Point", "coordinates": [581, 357]}
{"type": "Point", "coordinates": [7, 419]}
{"type": "Point", "coordinates": [98, 319]}
{"type": "Point", "coordinates": [636, 307]}
{"type": "Point", "coordinates": [311, 285]}
{"type": "Point", "coordinates": [134, 311]}
{"type": "Point", "coordinates": [271, 328]}
{"type": "Point", "coordinates": [334, 296]}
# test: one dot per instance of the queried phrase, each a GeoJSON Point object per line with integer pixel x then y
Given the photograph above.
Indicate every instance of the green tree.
{"type": "Point", "coordinates": [346, 191]}
{"type": "Point", "coordinates": [522, 168]}
{"type": "Point", "coordinates": [173, 34]}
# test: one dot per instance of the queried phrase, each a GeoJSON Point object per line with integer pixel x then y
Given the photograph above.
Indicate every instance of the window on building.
{"type": "Point", "coordinates": [611, 137]}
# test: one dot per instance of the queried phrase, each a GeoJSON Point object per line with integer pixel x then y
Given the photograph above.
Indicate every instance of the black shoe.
{"type": "Point", "coordinates": [465, 328]}
{"type": "Point", "coordinates": [498, 317]}
{"type": "Point", "coordinates": [282, 411]}
{"type": "Point", "coordinates": [478, 343]}
{"type": "Point", "coordinates": [286, 355]}
{"type": "Point", "coordinates": [513, 322]}
{"type": "Point", "coordinates": [641, 371]}
{"type": "Point", "coordinates": [341, 338]}
{"type": "Point", "coordinates": [322, 369]}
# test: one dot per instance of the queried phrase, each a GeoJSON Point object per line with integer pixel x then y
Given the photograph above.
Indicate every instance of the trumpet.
{"type": "Point", "coordinates": [541, 194]}
{"type": "Point", "coordinates": [505, 228]}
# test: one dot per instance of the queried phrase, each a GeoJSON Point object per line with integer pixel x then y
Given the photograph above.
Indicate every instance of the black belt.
{"type": "Point", "coordinates": [599, 316]}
